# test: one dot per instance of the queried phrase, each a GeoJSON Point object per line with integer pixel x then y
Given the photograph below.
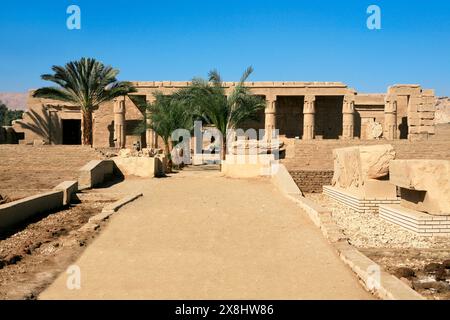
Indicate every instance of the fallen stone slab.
{"type": "Point", "coordinates": [353, 166]}
{"type": "Point", "coordinates": [425, 184]}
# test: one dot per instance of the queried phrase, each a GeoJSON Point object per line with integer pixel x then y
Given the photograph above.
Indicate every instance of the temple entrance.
{"type": "Point", "coordinates": [289, 116]}
{"type": "Point", "coordinates": [71, 130]}
{"type": "Point", "coordinates": [328, 117]}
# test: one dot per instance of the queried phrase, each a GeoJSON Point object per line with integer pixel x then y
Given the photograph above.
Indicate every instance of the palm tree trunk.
{"type": "Point", "coordinates": [86, 127]}
{"type": "Point", "coordinates": [168, 156]}
{"type": "Point", "coordinates": [223, 151]}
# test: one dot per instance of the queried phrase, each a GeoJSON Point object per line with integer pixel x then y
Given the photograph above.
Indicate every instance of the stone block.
{"type": "Point", "coordinates": [427, 122]}
{"type": "Point", "coordinates": [425, 184]}
{"type": "Point", "coordinates": [427, 115]}
{"type": "Point", "coordinates": [145, 167]}
{"type": "Point", "coordinates": [416, 121]}
{"type": "Point", "coordinates": [95, 173]}
{"type": "Point", "coordinates": [70, 188]}
{"type": "Point", "coordinates": [355, 165]}
{"type": "Point", "coordinates": [427, 108]}
{"type": "Point", "coordinates": [378, 189]}
{"type": "Point", "coordinates": [427, 129]}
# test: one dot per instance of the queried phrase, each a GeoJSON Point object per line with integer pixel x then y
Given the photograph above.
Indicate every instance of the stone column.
{"type": "Point", "coordinates": [348, 117]}
{"type": "Point", "coordinates": [119, 122]}
{"type": "Point", "coordinates": [390, 117]}
{"type": "Point", "coordinates": [150, 137]}
{"type": "Point", "coordinates": [269, 124]}
{"type": "Point", "coordinates": [309, 111]}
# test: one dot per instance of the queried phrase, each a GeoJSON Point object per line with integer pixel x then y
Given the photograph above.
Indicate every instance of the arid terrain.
{"type": "Point", "coordinates": [27, 170]}
{"type": "Point", "coordinates": [34, 254]}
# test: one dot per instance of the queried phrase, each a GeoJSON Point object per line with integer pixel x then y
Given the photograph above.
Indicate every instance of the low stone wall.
{"type": "Point", "coordinates": [356, 202]}
{"type": "Point", "coordinates": [15, 212]}
{"type": "Point", "coordinates": [70, 188]}
{"type": "Point", "coordinates": [312, 181]}
{"type": "Point", "coordinates": [95, 173]}
{"type": "Point", "coordinates": [418, 222]}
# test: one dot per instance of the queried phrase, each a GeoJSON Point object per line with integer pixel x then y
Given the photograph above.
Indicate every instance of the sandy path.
{"type": "Point", "coordinates": [197, 235]}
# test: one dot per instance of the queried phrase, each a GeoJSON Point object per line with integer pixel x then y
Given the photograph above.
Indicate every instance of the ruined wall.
{"type": "Point", "coordinates": [416, 109]}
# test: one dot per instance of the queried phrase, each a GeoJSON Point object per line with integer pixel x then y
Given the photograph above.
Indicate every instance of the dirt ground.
{"type": "Point", "coordinates": [28, 170]}
{"type": "Point", "coordinates": [33, 255]}
{"type": "Point", "coordinates": [425, 270]}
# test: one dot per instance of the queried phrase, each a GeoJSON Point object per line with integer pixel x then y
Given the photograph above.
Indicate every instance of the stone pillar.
{"type": "Point", "coordinates": [309, 111]}
{"type": "Point", "coordinates": [119, 122]}
{"type": "Point", "coordinates": [348, 117]}
{"type": "Point", "coordinates": [150, 137]}
{"type": "Point", "coordinates": [390, 117]}
{"type": "Point", "coordinates": [269, 124]}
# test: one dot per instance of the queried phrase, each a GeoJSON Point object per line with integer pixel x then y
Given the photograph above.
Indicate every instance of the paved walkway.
{"type": "Point", "coordinates": [197, 235]}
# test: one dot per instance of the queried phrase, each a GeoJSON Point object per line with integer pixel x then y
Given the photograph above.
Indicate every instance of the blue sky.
{"type": "Point", "coordinates": [289, 40]}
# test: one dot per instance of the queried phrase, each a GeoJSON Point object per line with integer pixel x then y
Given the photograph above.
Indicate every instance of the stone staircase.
{"type": "Point", "coordinates": [26, 170]}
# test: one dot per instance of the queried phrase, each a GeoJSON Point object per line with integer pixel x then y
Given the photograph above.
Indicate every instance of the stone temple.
{"type": "Point", "coordinates": [299, 110]}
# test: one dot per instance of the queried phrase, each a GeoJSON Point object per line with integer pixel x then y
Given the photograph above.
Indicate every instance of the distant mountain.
{"type": "Point", "coordinates": [14, 100]}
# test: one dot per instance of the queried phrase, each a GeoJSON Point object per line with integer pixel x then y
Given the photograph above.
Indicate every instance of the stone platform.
{"type": "Point", "coordinates": [357, 201]}
{"type": "Point", "coordinates": [418, 222]}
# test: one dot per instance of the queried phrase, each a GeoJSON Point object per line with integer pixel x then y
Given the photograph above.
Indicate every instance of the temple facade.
{"type": "Point", "coordinates": [299, 110]}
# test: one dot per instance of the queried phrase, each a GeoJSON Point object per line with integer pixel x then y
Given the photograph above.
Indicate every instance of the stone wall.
{"type": "Point", "coordinates": [312, 181]}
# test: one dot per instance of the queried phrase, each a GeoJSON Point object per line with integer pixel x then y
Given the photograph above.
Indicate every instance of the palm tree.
{"type": "Point", "coordinates": [168, 114]}
{"type": "Point", "coordinates": [85, 83]}
{"type": "Point", "coordinates": [209, 101]}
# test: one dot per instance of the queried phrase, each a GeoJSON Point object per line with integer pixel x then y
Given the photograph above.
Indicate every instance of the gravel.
{"type": "Point", "coordinates": [366, 230]}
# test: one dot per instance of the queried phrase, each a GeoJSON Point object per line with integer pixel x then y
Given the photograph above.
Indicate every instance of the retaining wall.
{"type": "Point", "coordinates": [312, 181]}
{"type": "Point", "coordinates": [15, 212]}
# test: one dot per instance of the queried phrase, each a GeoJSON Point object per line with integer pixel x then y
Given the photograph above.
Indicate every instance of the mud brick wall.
{"type": "Point", "coordinates": [312, 181]}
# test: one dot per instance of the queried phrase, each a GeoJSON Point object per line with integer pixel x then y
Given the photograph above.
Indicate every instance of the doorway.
{"type": "Point", "coordinates": [71, 130]}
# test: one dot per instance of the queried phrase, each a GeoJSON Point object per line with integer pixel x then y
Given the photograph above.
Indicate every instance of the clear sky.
{"type": "Point", "coordinates": [301, 40]}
